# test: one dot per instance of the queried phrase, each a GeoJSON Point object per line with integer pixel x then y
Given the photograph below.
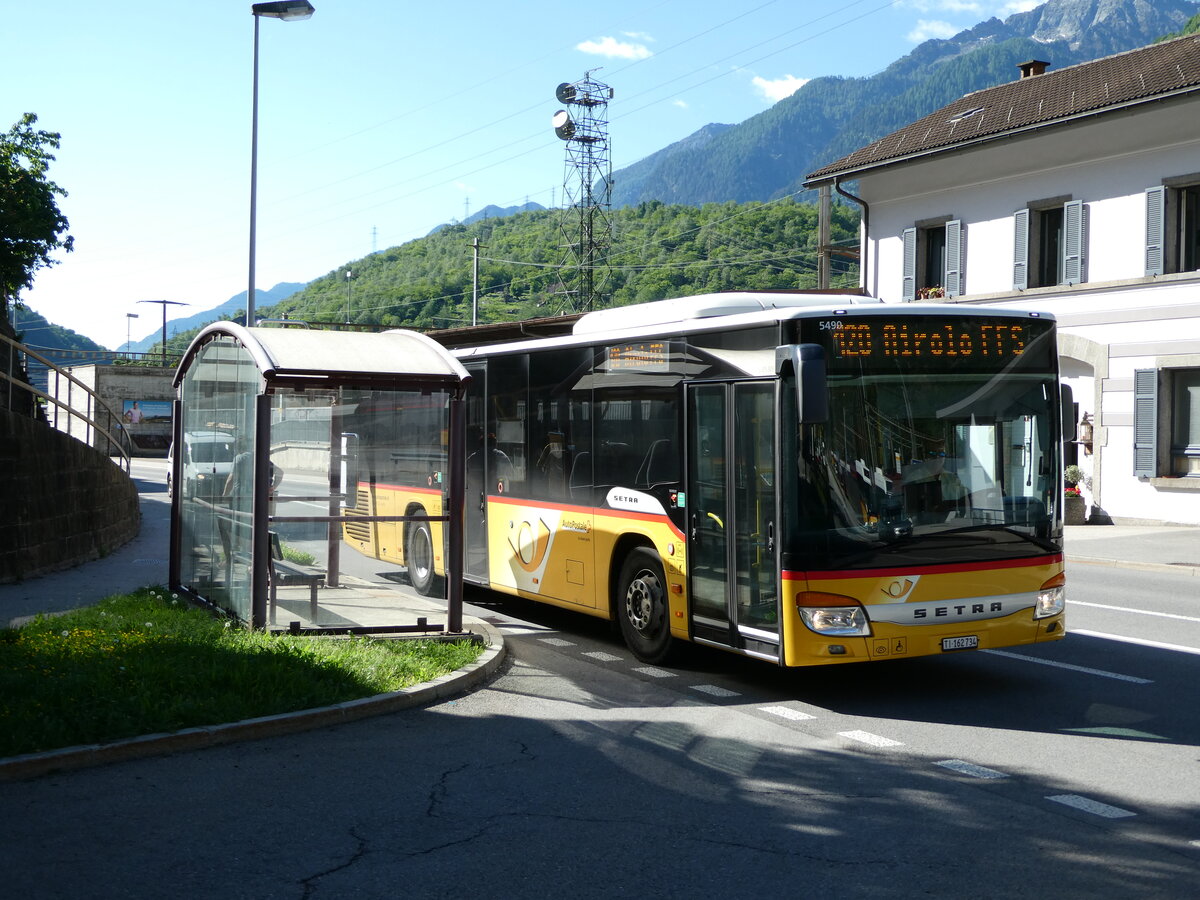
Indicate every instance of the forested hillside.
{"type": "Point", "coordinates": [658, 251]}
{"type": "Point", "coordinates": [33, 330]}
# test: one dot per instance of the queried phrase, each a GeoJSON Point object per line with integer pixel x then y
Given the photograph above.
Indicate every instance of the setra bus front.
{"type": "Point", "coordinates": [923, 462]}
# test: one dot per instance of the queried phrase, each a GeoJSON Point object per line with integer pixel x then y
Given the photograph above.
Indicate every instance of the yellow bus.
{"type": "Point", "coordinates": [806, 479]}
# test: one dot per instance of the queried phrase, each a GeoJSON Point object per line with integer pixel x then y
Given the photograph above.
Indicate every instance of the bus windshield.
{"type": "Point", "coordinates": [931, 459]}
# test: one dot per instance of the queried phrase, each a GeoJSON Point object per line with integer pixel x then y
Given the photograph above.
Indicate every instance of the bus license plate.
{"type": "Point", "coordinates": [970, 642]}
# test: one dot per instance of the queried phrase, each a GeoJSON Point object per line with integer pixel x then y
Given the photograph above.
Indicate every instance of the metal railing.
{"type": "Point", "coordinates": [97, 418]}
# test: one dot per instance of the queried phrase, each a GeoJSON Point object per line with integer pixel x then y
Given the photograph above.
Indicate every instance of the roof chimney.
{"type": "Point", "coordinates": [1032, 68]}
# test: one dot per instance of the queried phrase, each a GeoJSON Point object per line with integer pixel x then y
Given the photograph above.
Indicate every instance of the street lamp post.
{"type": "Point", "coordinates": [349, 275]}
{"type": "Point", "coordinates": [288, 10]}
{"type": "Point", "coordinates": [164, 304]}
{"type": "Point", "coordinates": [129, 317]}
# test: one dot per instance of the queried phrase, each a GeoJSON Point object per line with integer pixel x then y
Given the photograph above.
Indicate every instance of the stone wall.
{"type": "Point", "coordinates": [61, 502]}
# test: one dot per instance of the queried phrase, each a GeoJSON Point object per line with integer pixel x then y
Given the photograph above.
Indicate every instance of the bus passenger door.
{"type": "Point", "coordinates": [731, 496]}
{"type": "Point", "coordinates": [475, 532]}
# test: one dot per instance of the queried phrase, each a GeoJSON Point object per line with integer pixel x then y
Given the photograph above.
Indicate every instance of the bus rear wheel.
{"type": "Point", "coordinates": [642, 608]}
{"type": "Point", "coordinates": [418, 555]}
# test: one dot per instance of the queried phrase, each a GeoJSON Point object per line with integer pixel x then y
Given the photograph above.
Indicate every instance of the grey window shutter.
{"type": "Point", "coordinates": [1074, 241]}
{"type": "Point", "coordinates": [909, 282]}
{"type": "Point", "coordinates": [1145, 422]}
{"type": "Point", "coordinates": [954, 258]}
{"type": "Point", "coordinates": [1020, 249]}
{"type": "Point", "coordinates": [1156, 226]}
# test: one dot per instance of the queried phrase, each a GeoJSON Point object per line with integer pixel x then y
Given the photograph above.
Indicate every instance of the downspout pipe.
{"type": "Point", "coordinates": [866, 226]}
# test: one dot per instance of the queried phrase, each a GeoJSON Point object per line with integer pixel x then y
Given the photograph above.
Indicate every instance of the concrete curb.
{"type": "Point", "coordinates": [33, 765]}
{"type": "Point", "coordinates": [1181, 569]}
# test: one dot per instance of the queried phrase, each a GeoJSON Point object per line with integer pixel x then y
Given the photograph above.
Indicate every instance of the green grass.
{"type": "Point", "coordinates": [296, 555]}
{"type": "Point", "coordinates": [148, 662]}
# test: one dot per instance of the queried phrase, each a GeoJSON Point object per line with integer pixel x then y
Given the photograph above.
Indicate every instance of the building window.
{"type": "Point", "coordinates": [933, 260]}
{"type": "Point", "coordinates": [1173, 226]}
{"type": "Point", "coordinates": [1185, 422]}
{"type": "Point", "coordinates": [1050, 244]}
{"type": "Point", "coordinates": [1047, 225]}
{"type": "Point", "coordinates": [1166, 416]}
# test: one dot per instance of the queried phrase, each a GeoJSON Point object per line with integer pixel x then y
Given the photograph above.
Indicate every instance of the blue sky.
{"type": "Point", "coordinates": [378, 119]}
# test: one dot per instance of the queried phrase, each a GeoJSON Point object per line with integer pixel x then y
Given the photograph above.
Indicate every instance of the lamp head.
{"type": "Point", "coordinates": [288, 10]}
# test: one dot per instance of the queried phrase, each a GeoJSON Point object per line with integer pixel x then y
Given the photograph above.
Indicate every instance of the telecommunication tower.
{"type": "Point", "coordinates": [587, 185]}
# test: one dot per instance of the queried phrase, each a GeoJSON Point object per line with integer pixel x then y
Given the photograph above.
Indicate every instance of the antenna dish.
{"type": "Point", "coordinates": [565, 92]}
{"type": "Point", "coordinates": [563, 126]}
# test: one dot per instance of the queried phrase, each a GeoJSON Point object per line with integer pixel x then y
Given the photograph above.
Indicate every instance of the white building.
{"type": "Point", "coordinates": [1075, 192]}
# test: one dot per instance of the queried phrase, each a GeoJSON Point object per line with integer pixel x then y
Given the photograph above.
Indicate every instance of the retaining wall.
{"type": "Point", "coordinates": [61, 502]}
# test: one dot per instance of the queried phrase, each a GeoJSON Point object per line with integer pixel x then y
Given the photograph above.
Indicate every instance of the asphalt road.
{"type": "Point", "coordinates": [1065, 770]}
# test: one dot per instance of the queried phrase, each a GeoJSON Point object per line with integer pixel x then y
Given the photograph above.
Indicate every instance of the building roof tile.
{"type": "Point", "coordinates": [1038, 101]}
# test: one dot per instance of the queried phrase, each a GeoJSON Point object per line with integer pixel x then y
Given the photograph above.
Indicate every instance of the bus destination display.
{"type": "Point", "coordinates": [925, 339]}
{"type": "Point", "coordinates": [647, 356]}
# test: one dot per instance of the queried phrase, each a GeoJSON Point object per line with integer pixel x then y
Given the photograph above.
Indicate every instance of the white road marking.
{"type": "Point", "coordinates": [786, 713]}
{"type": "Point", "coordinates": [654, 672]}
{"type": "Point", "coordinates": [557, 642]}
{"type": "Point", "coordinates": [966, 768]}
{"type": "Point", "coordinates": [517, 630]}
{"type": "Point", "coordinates": [1140, 612]}
{"type": "Point", "coordinates": [714, 691]}
{"type": "Point", "coordinates": [865, 737]}
{"type": "Point", "coordinates": [1158, 645]}
{"type": "Point", "coordinates": [1095, 807]}
{"type": "Point", "coordinates": [602, 656]}
{"type": "Point", "coordinates": [1062, 665]}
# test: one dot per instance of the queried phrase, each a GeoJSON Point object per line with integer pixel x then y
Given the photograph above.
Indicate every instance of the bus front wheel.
{"type": "Point", "coordinates": [418, 555]}
{"type": "Point", "coordinates": [642, 607]}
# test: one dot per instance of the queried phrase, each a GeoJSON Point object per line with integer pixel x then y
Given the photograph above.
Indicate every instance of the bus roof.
{"type": "Point", "coordinates": [719, 312]}
{"type": "Point", "coordinates": [706, 306]}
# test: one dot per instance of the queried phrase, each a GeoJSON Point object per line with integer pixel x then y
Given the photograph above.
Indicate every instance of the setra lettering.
{"type": "Point", "coordinates": [943, 612]}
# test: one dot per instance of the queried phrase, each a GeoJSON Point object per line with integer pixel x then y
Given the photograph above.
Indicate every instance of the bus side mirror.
{"type": "Point", "coordinates": [1067, 411]}
{"type": "Point", "coordinates": [349, 469]}
{"type": "Point", "coordinates": [812, 387]}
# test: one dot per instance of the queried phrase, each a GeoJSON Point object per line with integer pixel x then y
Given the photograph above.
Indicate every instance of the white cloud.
{"type": "Point", "coordinates": [614, 49]}
{"type": "Point", "coordinates": [682, 104]}
{"type": "Point", "coordinates": [1020, 6]}
{"type": "Point", "coordinates": [932, 28]}
{"type": "Point", "coordinates": [779, 88]}
{"type": "Point", "coordinates": [638, 36]}
{"type": "Point", "coordinates": [464, 187]}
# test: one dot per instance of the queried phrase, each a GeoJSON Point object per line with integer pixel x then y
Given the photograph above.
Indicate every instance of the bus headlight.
{"type": "Point", "coordinates": [832, 614]}
{"type": "Point", "coordinates": [1052, 598]}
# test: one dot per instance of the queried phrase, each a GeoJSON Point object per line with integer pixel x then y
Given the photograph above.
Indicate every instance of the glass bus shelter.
{"type": "Point", "coordinates": [265, 476]}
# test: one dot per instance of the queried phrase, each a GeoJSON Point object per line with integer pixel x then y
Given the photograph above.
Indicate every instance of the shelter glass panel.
{"type": "Point", "coordinates": [360, 505]}
{"type": "Point", "coordinates": [216, 474]}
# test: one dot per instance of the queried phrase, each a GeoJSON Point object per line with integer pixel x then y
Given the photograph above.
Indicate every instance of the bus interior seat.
{"type": "Point", "coordinates": [659, 466]}
{"type": "Point", "coordinates": [581, 472]}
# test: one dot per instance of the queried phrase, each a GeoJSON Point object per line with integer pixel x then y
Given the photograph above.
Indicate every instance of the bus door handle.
{"type": "Point", "coordinates": [695, 535]}
{"type": "Point", "coordinates": [770, 537]}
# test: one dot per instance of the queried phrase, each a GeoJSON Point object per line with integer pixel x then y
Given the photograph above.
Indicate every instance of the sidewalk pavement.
{"type": "Point", "coordinates": [1174, 548]}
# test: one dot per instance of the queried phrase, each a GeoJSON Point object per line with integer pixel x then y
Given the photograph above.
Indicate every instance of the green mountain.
{"type": "Point", "coordinates": [41, 336]}
{"type": "Point", "coordinates": [769, 155]}
{"type": "Point", "coordinates": [657, 251]}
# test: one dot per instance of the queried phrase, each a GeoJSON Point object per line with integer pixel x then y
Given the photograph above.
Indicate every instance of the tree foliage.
{"type": "Point", "coordinates": [31, 225]}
